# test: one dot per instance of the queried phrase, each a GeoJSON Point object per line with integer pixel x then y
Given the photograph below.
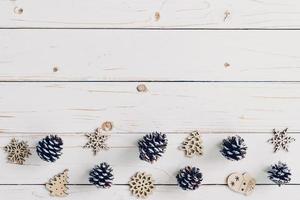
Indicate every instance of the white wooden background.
{"type": "Point", "coordinates": [221, 67]}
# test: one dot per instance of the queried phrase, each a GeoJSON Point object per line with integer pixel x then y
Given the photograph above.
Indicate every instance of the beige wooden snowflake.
{"type": "Point", "coordinates": [96, 141]}
{"type": "Point", "coordinates": [281, 140]}
{"type": "Point", "coordinates": [192, 145]}
{"type": "Point", "coordinates": [17, 151]}
{"type": "Point", "coordinates": [57, 186]}
{"type": "Point", "coordinates": [141, 185]}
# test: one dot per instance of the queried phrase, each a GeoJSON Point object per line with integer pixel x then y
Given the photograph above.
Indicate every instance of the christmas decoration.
{"type": "Point", "coordinates": [192, 145]}
{"type": "Point", "coordinates": [49, 148]}
{"type": "Point", "coordinates": [152, 146]}
{"type": "Point", "coordinates": [141, 185]}
{"type": "Point", "coordinates": [96, 141]}
{"type": "Point", "coordinates": [280, 173]}
{"type": "Point", "coordinates": [241, 183]}
{"type": "Point", "coordinates": [17, 151]}
{"type": "Point", "coordinates": [189, 178]}
{"type": "Point", "coordinates": [101, 175]}
{"type": "Point", "coordinates": [57, 186]}
{"type": "Point", "coordinates": [281, 140]}
{"type": "Point", "coordinates": [233, 148]}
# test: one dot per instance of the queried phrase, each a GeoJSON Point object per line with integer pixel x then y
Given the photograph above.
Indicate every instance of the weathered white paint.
{"type": "Point", "coordinates": [211, 107]}
{"type": "Point", "coordinates": [142, 13]}
{"type": "Point", "coordinates": [29, 111]}
{"type": "Point", "coordinates": [103, 55]}
{"type": "Point", "coordinates": [161, 192]}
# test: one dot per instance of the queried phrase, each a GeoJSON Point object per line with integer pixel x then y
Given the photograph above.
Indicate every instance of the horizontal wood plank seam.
{"type": "Point", "coordinates": [150, 81]}
{"type": "Point", "coordinates": [211, 184]}
{"type": "Point", "coordinates": [150, 29]}
{"type": "Point", "coordinates": [8, 134]}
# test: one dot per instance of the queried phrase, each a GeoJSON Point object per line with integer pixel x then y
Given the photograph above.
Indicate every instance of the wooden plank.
{"type": "Point", "coordinates": [105, 55]}
{"type": "Point", "coordinates": [123, 156]}
{"type": "Point", "coordinates": [144, 13]}
{"type": "Point", "coordinates": [166, 107]}
{"type": "Point", "coordinates": [161, 192]}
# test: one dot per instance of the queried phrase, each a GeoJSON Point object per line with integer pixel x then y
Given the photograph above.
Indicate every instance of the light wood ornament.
{"type": "Point", "coordinates": [57, 186]}
{"type": "Point", "coordinates": [192, 145]}
{"type": "Point", "coordinates": [241, 183]}
{"type": "Point", "coordinates": [141, 185]}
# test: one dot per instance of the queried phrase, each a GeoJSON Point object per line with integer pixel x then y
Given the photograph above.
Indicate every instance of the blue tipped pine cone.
{"type": "Point", "coordinates": [49, 148]}
{"type": "Point", "coordinates": [189, 178]}
{"type": "Point", "coordinates": [152, 146]}
{"type": "Point", "coordinates": [101, 175]}
{"type": "Point", "coordinates": [280, 173]}
{"type": "Point", "coordinates": [234, 148]}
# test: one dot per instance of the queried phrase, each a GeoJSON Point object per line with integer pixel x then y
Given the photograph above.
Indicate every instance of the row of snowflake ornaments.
{"type": "Point", "coordinates": [151, 147]}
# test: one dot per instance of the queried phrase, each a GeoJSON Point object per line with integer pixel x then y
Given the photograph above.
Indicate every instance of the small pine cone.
{"type": "Point", "coordinates": [189, 178]}
{"type": "Point", "coordinates": [101, 175]}
{"type": "Point", "coordinates": [280, 173]}
{"type": "Point", "coordinates": [152, 146]}
{"type": "Point", "coordinates": [234, 148]}
{"type": "Point", "coordinates": [49, 148]}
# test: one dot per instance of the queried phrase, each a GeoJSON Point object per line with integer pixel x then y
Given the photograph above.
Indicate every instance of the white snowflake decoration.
{"type": "Point", "coordinates": [281, 140]}
{"type": "Point", "coordinates": [97, 141]}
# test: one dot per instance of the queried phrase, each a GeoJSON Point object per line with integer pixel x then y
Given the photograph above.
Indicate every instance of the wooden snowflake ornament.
{"type": "Point", "coordinates": [17, 151]}
{"type": "Point", "coordinates": [281, 140]}
{"type": "Point", "coordinates": [57, 186]}
{"type": "Point", "coordinates": [192, 145]}
{"type": "Point", "coordinates": [141, 185]}
{"type": "Point", "coordinates": [97, 141]}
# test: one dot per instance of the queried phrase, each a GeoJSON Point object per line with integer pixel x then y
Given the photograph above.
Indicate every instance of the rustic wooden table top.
{"type": "Point", "coordinates": [220, 67]}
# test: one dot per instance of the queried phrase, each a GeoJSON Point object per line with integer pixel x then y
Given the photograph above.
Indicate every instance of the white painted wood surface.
{"type": "Point", "coordinates": [167, 107]}
{"type": "Point", "coordinates": [143, 13]}
{"type": "Point", "coordinates": [87, 55]}
{"type": "Point", "coordinates": [67, 66]}
{"type": "Point", "coordinates": [161, 192]}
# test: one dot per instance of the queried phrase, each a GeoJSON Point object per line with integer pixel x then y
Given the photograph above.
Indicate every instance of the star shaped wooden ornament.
{"type": "Point", "coordinates": [17, 151]}
{"type": "Point", "coordinates": [96, 141]}
{"type": "Point", "coordinates": [281, 140]}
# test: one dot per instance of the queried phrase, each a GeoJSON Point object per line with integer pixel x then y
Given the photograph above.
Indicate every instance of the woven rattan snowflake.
{"type": "Point", "coordinates": [17, 151]}
{"type": "Point", "coordinates": [192, 145]}
{"type": "Point", "coordinates": [97, 141]}
{"type": "Point", "coordinates": [281, 140]}
{"type": "Point", "coordinates": [141, 185]}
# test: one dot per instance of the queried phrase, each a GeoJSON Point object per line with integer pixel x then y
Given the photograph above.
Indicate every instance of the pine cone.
{"type": "Point", "coordinates": [49, 148]}
{"type": "Point", "coordinates": [189, 178]}
{"type": "Point", "coordinates": [279, 173]}
{"type": "Point", "coordinates": [234, 148]}
{"type": "Point", "coordinates": [152, 146]}
{"type": "Point", "coordinates": [101, 175]}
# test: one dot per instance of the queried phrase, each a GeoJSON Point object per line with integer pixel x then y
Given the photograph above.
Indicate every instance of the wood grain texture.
{"type": "Point", "coordinates": [123, 157]}
{"type": "Point", "coordinates": [161, 192]}
{"type": "Point", "coordinates": [143, 13]}
{"type": "Point", "coordinates": [110, 55]}
{"type": "Point", "coordinates": [166, 107]}
{"type": "Point", "coordinates": [196, 79]}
